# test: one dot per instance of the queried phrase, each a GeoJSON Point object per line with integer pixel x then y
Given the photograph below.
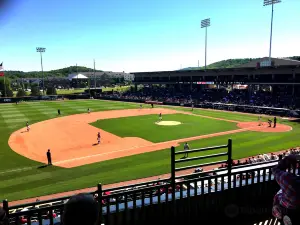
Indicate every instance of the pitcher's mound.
{"type": "Point", "coordinates": [254, 126]}
{"type": "Point", "coordinates": [168, 123]}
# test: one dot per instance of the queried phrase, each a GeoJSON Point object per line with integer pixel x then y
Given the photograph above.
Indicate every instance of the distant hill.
{"type": "Point", "coordinates": [231, 63]}
{"type": "Point", "coordinates": [64, 72]}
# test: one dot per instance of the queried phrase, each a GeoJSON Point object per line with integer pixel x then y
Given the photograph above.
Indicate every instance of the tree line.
{"type": "Point", "coordinates": [231, 63]}
{"type": "Point", "coordinates": [64, 72]}
{"type": "Point", "coordinates": [6, 89]}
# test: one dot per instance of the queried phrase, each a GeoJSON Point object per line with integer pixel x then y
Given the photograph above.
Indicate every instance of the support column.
{"type": "Point", "coordinates": [180, 85]}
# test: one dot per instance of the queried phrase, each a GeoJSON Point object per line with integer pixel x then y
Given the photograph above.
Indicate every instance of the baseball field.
{"type": "Point", "coordinates": [134, 144]}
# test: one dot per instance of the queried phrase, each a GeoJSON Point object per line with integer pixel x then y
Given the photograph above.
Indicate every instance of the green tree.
{"type": "Point", "coordinates": [51, 91]}
{"type": "Point", "coordinates": [5, 87]}
{"type": "Point", "coordinates": [21, 93]}
{"type": "Point", "coordinates": [35, 91]}
{"type": "Point", "coordinates": [9, 93]}
{"type": "Point", "coordinates": [26, 85]}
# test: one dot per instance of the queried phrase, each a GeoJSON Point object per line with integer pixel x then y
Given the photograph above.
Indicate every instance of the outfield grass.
{"type": "Point", "coordinates": [145, 127]}
{"type": "Point", "coordinates": [31, 182]}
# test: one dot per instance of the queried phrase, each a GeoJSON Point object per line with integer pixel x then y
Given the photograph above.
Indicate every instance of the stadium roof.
{"type": "Point", "coordinates": [279, 66]}
{"type": "Point", "coordinates": [76, 76]}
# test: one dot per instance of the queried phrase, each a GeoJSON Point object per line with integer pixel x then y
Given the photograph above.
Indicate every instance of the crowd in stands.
{"type": "Point", "coordinates": [221, 95]}
{"type": "Point", "coordinates": [257, 159]}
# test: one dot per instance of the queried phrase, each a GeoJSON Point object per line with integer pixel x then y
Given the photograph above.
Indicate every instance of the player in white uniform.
{"type": "Point", "coordinates": [259, 121]}
{"type": "Point", "coordinates": [160, 117]}
{"type": "Point", "coordinates": [89, 111]}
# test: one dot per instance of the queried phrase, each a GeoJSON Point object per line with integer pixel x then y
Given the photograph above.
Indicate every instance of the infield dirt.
{"type": "Point", "coordinates": [73, 141]}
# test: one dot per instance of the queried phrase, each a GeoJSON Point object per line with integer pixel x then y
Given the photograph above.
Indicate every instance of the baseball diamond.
{"type": "Point", "coordinates": [126, 151]}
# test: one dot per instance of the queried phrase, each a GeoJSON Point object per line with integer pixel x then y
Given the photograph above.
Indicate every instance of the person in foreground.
{"type": "Point", "coordinates": [2, 216]}
{"type": "Point", "coordinates": [81, 209]}
{"type": "Point", "coordinates": [286, 203]}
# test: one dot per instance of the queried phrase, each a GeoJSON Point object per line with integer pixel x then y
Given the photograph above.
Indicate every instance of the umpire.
{"type": "Point", "coordinates": [49, 157]}
{"type": "Point", "coordinates": [275, 121]}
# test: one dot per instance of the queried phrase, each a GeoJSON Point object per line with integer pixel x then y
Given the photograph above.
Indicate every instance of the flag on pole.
{"type": "Point", "coordinates": [1, 70]}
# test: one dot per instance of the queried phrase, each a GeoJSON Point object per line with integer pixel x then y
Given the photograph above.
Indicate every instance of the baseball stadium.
{"type": "Point", "coordinates": [217, 144]}
{"type": "Point", "coordinates": [136, 138]}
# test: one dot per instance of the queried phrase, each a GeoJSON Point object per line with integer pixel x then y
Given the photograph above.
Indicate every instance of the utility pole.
{"type": "Point", "coordinates": [266, 3]}
{"type": "Point", "coordinates": [95, 75]}
{"type": "Point", "coordinates": [41, 50]}
{"type": "Point", "coordinates": [204, 24]}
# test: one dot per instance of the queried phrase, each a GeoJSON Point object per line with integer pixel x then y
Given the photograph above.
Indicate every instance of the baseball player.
{"type": "Point", "coordinates": [27, 126]}
{"type": "Point", "coordinates": [270, 122]}
{"type": "Point", "coordinates": [89, 111]}
{"type": "Point", "coordinates": [141, 106]}
{"type": "Point", "coordinates": [160, 117]}
{"type": "Point", "coordinates": [259, 121]}
{"type": "Point", "coordinates": [98, 137]}
{"type": "Point", "coordinates": [192, 106]}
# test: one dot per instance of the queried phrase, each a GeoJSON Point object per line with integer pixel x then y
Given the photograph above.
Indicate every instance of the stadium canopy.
{"type": "Point", "coordinates": [77, 77]}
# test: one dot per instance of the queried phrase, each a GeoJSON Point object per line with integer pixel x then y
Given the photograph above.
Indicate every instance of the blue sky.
{"type": "Point", "coordinates": [142, 35]}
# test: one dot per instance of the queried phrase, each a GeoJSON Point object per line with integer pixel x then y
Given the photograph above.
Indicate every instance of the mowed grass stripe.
{"type": "Point", "coordinates": [100, 104]}
{"type": "Point", "coordinates": [32, 115]}
{"type": "Point", "coordinates": [42, 109]}
{"type": "Point", "coordinates": [12, 115]}
{"type": "Point", "coordinates": [65, 108]}
{"type": "Point", "coordinates": [19, 116]}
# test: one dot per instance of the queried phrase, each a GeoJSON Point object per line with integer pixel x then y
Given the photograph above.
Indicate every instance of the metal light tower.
{"type": "Point", "coordinates": [266, 3]}
{"type": "Point", "coordinates": [41, 50]}
{"type": "Point", "coordinates": [204, 24]}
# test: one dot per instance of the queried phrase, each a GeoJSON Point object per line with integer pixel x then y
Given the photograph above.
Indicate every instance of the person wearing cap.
{"type": "Point", "coordinates": [81, 209]}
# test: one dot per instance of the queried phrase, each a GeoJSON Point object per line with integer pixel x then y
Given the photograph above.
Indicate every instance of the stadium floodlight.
{"type": "Point", "coordinates": [266, 3]}
{"type": "Point", "coordinates": [205, 24]}
{"type": "Point", "coordinates": [41, 50]}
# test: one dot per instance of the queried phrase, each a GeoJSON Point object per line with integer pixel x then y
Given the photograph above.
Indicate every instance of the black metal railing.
{"type": "Point", "coordinates": [194, 196]}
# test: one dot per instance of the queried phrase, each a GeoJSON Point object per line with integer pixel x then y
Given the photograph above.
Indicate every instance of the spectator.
{"type": "Point", "coordinates": [81, 209]}
{"type": "Point", "coordinates": [287, 200]}
{"type": "Point", "coordinates": [2, 216]}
